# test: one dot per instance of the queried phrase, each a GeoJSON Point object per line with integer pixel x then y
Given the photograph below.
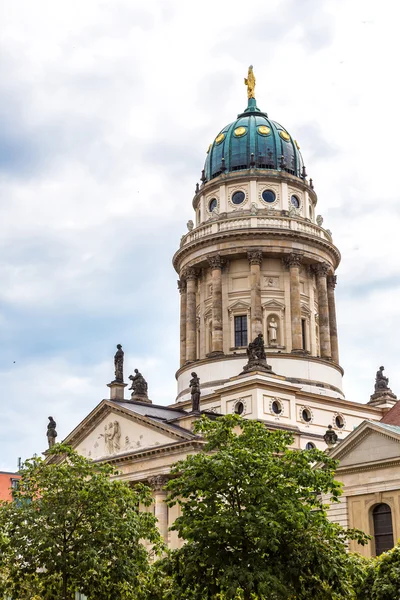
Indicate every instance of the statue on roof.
{"type": "Point", "coordinates": [330, 437]}
{"type": "Point", "coordinates": [257, 359]}
{"type": "Point", "coordinates": [119, 365]}
{"type": "Point", "coordinates": [250, 81]}
{"type": "Point", "coordinates": [381, 382]}
{"type": "Point", "coordinates": [194, 384]}
{"type": "Point", "coordinates": [51, 432]}
{"type": "Point", "coordinates": [139, 384]}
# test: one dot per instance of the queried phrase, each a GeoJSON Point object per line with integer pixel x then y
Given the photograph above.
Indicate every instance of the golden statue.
{"type": "Point", "coordinates": [250, 82]}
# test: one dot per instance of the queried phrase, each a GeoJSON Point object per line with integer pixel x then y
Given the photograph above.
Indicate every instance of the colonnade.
{"type": "Point", "coordinates": [325, 284]}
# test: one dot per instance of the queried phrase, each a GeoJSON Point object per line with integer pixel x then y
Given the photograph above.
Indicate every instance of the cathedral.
{"type": "Point", "coordinates": [258, 334]}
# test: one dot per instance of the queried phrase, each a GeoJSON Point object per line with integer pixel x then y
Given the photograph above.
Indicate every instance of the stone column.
{"type": "Point", "coordinates": [255, 260]}
{"type": "Point", "coordinates": [293, 262]}
{"type": "Point", "coordinates": [191, 281]}
{"type": "Point", "coordinates": [182, 291]}
{"type": "Point", "coordinates": [157, 484]}
{"type": "Point", "coordinates": [331, 283]}
{"type": "Point", "coordinates": [216, 268]}
{"type": "Point", "coordinates": [321, 270]}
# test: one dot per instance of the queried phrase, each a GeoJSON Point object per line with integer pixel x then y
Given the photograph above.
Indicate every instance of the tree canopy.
{"type": "Point", "coordinates": [253, 519]}
{"type": "Point", "coordinates": [73, 527]}
{"type": "Point", "coordinates": [382, 581]}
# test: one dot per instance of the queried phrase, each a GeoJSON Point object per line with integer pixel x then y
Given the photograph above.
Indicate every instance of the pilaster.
{"type": "Point", "coordinates": [255, 260]}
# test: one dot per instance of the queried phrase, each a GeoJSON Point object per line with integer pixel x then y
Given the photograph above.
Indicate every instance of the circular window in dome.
{"type": "Point", "coordinates": [220, 138]}
{"type": "Point", "coordinates": [238, 197]}
{"type": "Point", "coordinates": [276, 407]}
{"type": "Point", "coordinates": [239, 131]}
{"type": "Point", "coordinates": [212, 205]}
{"type": "Point", "coordinates": [284, 135]}
{"type": "Point", "coordinates": [268, 196]}
{"type": "Point", "coordinates": [310, 446]}
{"type": "Point", "coordinates": [294, 201]}
{"type": "Point", "coordinates": [264, 130]}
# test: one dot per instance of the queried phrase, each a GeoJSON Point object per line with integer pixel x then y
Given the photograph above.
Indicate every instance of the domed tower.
{"type": "Point", "coordinates": [257, 261]}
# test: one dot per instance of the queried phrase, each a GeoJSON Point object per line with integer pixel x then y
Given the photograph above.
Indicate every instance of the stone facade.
{"type": "Point", "coordinates": [262, 264]}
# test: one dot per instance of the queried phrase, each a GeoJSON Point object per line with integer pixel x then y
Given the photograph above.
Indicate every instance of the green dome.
{"type": "Point", "coordinates": [253, 141]}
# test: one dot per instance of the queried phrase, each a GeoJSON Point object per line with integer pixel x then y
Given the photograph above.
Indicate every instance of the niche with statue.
{"type": "Point", "coordinates": [273, 330]}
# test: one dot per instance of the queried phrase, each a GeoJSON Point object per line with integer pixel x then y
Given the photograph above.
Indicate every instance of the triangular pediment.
{"type": "Point", "coordinates": [273, 305]}
{"type": "Point", "coordinates": [369, 443]}
{"type": "Point", "coordinates": [112, 429]}
{"type": "Point", "coordinates": [239, 305]}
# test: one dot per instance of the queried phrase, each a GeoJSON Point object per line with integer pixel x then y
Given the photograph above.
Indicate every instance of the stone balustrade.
{"type": "Point", "coordinates": [256, 222]}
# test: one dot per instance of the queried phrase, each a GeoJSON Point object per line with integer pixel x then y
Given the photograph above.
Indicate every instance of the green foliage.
{"type": "Point", "coordinates": [382, 581]}
{"type": "Point", "coordinates": [74, 527]}
{"type": "Point", "coordinates": [254, 522]}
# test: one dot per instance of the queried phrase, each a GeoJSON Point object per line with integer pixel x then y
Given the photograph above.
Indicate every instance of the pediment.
{"type": "Point", "coordinates": [112, 430]}
{"type": "Point", "coordinates": [239, 305]}
{"type": "Point", "coordinates": [369, 443]}
{"type": "Point", "coordinates": [273, 305]}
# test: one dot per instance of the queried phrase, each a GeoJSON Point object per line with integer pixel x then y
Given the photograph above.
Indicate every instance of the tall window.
{"type": "Point", "coordinates": [241, 331]}
{"type": "Point", "coordinates": [383, 528]}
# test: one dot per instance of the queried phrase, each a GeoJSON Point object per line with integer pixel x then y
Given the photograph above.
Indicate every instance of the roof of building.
{"type": "Point", "coordinates": [157, 413]}
{"type": "Point", "coordinates": [392, 417]}
{"type": "Point", "coordinates": [253, 141]}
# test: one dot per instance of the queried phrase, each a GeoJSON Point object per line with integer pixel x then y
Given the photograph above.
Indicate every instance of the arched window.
{"type": "Point", "coordinates": [383, 528]}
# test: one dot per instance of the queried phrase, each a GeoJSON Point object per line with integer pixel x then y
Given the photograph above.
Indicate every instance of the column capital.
{"type": "Point", "coordinates": [331, 281]}
{"type": "Point", "coordinates": [190, 273]}
{"type": "Point", "coordinates": [181, 285]}
{"type": "Point", "coordinates": [321, 269]}
{"type": "Point", "coordinates": [255, 256]}
{"type": "Point", "coordinates": [293, 260]}
{"type": "Point", "coordinates": [157, 482]}
{"type": "Point", "coordinates": [215, 261]}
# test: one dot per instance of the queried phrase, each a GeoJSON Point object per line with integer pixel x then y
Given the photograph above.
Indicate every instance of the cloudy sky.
{"type": "Point", "coordinates": [106, 110]}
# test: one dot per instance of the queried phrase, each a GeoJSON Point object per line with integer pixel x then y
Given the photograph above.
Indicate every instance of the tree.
{"type": "Point", "coordinates": [382, 581]}
{"type": "Point", "coordinates": [73, 527]}
{"type": "Point", "coordinates": [253, 519]}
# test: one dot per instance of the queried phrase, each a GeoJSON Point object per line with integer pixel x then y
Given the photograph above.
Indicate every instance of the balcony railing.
{"type": "Point", "coordinates": [256, 222]}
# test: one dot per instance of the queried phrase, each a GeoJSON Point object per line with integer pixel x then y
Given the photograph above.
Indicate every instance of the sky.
{"type": "Point", "coordinates": [107, 108]}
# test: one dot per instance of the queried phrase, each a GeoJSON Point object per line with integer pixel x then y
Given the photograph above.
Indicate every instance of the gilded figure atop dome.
{"type": "Point", "coordinates": [250, 81]}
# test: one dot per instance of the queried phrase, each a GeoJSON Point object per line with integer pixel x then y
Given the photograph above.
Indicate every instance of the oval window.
{"type": "Point", "coordinates": [239, 131]}
{"type": "Point", "coordinates": [268, 196]}
{"type": "Point", "coordinates": [339, 422]}
{"type": "Point", "coordinates": [310, 446]}
{"type": "Point", "coordinates": [306, 415]}
{"type": "Point", "coordinates": [212, 205]}
{"type": "Point", "coordinates": [238, 197]}
{"type": "Point", "coordinates": [239, 408]}
{"type": "Point", "coordinates": [264, 130]}
{"type": "Point", "coordinates": [295, 201]}
{"type": "Point", "coordinates": [276, 407]}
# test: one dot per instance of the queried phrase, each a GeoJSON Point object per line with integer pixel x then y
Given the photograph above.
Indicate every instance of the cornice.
{"type": "Point", "coordinates": [256, 234]}
{"type": "Point", "coordinates": [370, 466]}
{"type": "Point", "coordinates": [150, 453]}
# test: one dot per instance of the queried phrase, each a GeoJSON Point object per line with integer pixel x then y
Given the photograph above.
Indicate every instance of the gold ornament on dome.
{"type": "Point", "coordinates": [209, 148]}
{"type": "Point", "coordinates": [250, 81]}
{"type": "Point", "coordinates": [264, 130]}
{"type": "Point", "coordinates": [220, 138]}
{"type": "Point", "coordinates": [297, 144]}
{"type": "Point", "coordinates": [285, 136]}
{"type": "Point", "coordinates": [239, 131]}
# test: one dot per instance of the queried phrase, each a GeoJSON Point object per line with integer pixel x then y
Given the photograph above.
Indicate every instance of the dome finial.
{"type": "Point", "coordinates": [250, 81]}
